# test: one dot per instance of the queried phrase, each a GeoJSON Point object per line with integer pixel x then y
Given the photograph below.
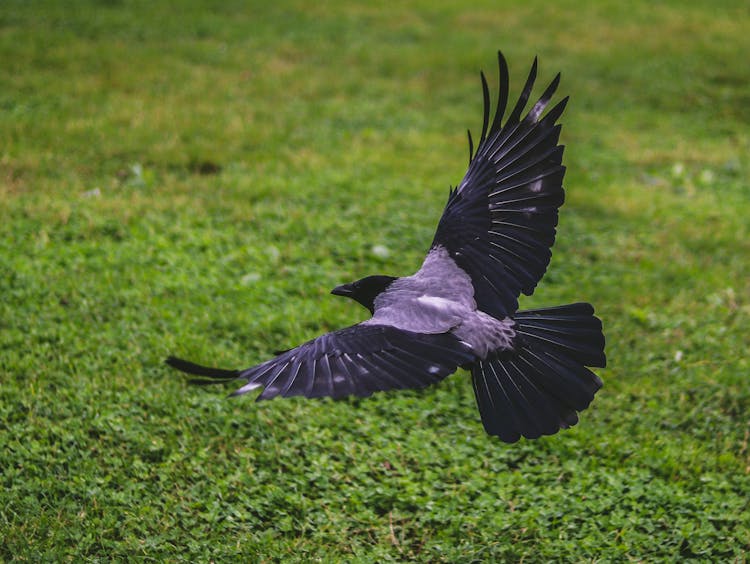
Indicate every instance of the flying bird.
{"type": "Point", "coordinates": [460, 309]}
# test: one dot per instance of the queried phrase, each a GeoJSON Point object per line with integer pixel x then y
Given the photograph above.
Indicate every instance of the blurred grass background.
{"type": "Point", "coordinates": [194, 177]}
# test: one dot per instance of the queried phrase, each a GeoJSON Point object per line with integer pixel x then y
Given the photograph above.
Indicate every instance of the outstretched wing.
{"type": "Point", "coordinates": [358, 361]}
{"type": "Point", "coordinates": [499, 223]}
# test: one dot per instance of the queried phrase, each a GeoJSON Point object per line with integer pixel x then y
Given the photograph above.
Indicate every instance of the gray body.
{"type": "Point", "coordinates": [439, 298]}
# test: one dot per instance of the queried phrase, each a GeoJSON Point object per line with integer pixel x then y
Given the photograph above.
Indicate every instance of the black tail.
{"type": "Point", "coordinates": [210, 375]}
{"type": "Point", "coordinates": [538, 387]}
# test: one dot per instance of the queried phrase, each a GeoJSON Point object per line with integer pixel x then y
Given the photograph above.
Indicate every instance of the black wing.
{"type": "Point", "coordinates": [358, 361]}
{"type": "Point", "coordinates": [499, 223]}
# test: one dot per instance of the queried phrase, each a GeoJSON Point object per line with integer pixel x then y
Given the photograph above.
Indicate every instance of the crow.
{"type": "Point", "coordinates": [460, 309]}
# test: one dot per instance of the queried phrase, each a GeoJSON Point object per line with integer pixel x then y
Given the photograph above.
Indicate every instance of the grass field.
{"type": "Point", "coordinates": [195, 179]}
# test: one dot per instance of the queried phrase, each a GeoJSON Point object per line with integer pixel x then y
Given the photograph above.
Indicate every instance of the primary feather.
{"type": "Point", "coordinates": [499, 223]}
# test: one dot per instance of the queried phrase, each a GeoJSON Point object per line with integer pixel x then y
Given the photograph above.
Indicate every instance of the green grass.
{"type": "Point", "coordinates": [194, 181]}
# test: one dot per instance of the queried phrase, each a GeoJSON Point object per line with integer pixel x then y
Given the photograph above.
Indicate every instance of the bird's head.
{"type": "Point", "coordinates": [365, 290]}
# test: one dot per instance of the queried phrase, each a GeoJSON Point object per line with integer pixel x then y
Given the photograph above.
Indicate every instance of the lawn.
{"type": "Point", "coordinates": [193, 178]}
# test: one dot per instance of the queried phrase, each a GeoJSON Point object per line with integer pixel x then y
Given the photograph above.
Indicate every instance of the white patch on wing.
{"type": "Point", "coordinates": [248, 387]}
{"type": "Point", "coordinates": [436, 302]}
{"type": "Point", "coordinates": [536, 186]}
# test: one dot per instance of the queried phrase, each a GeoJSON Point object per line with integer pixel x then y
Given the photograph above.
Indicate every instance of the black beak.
{"type": "Point", "coordinates": [343, 290]}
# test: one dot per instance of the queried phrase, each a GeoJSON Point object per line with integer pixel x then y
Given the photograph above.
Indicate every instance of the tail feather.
{"type": "Point", "coordinates": [577, 335]}
{"type": "Point", "coordinates": [537, 388]}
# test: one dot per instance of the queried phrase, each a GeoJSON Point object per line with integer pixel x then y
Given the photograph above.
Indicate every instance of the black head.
{"type": "Point", "coordinates": [365, 290]}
